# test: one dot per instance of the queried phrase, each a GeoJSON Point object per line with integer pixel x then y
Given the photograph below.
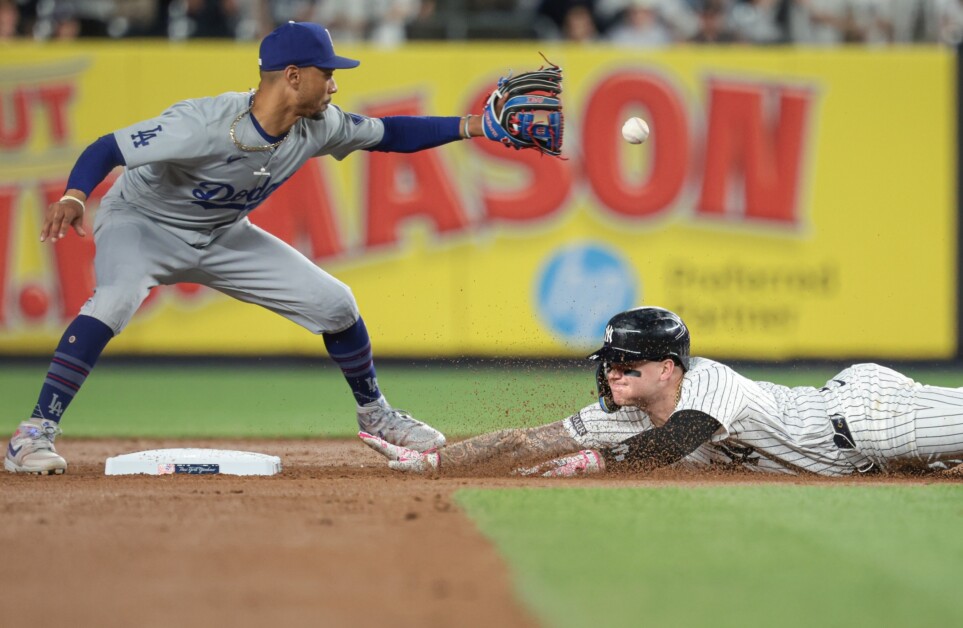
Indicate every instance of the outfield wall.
{"type": "Point", "coordinates": [790, 203]}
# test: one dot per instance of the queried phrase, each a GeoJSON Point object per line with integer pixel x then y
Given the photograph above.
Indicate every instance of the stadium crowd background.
{"type": "Point", "coordinates": [636, 23]}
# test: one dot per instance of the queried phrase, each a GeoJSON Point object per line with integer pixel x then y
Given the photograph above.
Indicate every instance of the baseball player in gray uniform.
{"type": "Point", "coordinates": [178, 213]}
{"type": "Point", "coordinates": [658, 406]}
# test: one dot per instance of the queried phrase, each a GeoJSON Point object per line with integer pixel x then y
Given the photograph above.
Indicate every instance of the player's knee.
{"type": "Point", "coordinates": [114, 306]}
{"type": "Point", "coordinates": [332, 310]}
{"type": "Point", "coordinates": [343, 306]}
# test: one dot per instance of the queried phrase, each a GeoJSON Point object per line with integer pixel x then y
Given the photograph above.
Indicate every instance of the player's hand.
{"type": "Point", "coordinates": [584, 462]}
{"type": "Point", "coordinates": [61, 216]}
{"type": "Point", "coordinates": [402, 458]}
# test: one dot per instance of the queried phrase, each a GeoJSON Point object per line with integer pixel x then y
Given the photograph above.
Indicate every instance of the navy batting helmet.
{"type": "Point", "coordinates": [645, 333]}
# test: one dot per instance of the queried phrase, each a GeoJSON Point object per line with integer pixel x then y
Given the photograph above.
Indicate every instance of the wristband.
{"type": "Point", "coordinates": [467, 120]}
{"type": "Point", "coordinates": [67, 197]}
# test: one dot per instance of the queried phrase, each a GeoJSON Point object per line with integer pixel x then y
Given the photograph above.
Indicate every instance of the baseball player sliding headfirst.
{"type": "Point", "coordinates": [659, 406]}
{"type": "Point", "coordinates": [178, 213]}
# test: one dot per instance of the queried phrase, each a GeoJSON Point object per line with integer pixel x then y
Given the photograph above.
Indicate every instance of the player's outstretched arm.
{"type": "Point", "coordinates": [497, 452]}
{"type": "Point", "coordinates": [524, 111]}
{"type": "Point", "coordinates": [507, 450]}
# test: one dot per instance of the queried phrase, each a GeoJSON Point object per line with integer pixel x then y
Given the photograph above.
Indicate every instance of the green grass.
{"type": "Point", "coordinates": [299, 402]}
{"type": "Point", "coordinates": [731, 556]}
{"type": "Point", "coordinates": [781, 555]}
{"type": "Point", "coordinates": [295, 402]}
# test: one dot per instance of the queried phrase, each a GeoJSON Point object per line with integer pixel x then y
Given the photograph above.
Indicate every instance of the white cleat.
{"type": "Point", "coordinates": [31, 449]}
{"type": "Point", "coordinates": [398, 427]}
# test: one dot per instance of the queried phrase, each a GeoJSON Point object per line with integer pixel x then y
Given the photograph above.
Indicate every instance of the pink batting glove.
{"type": "Point", "coordinates": [402, 458]}
{"type": "Point", "coordinates": [585, 462]}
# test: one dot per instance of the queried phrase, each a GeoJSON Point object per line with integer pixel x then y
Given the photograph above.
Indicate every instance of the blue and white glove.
{"type": "Point", "coordinates": [524, 111]}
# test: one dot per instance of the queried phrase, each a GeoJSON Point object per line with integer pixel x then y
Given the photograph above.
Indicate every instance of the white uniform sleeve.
{"type": "Point", "coordinates": [350, 132]}
{"type": "Point", "coordinates": [180, 133]}
{"type": "Point", "coordinates": [717, 391]}
{"type": "Point", "coordinates": [593, 428]}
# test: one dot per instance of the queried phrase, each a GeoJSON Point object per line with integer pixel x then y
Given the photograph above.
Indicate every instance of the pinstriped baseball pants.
{"type": "Point", "coordinates": [897, 421]}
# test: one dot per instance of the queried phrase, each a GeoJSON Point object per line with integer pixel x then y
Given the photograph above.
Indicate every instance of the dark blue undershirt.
{"type": "Point", "coordinates": [403, 134]}
{"type": "Point", "coordinates": [409, 134]}
{"type": "Point", "coordinates": [95, 163]}
{"type": "Point", "coordinates": [267, 136]}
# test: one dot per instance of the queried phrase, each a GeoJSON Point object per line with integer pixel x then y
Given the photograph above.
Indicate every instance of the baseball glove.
{"type": "Point", "coordinates": [524, 111]}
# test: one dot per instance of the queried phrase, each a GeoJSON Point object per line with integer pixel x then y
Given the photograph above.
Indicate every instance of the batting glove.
{"type": "Point", "coordinates": [585, 462]}
{"type": "Point", "coordinates": [402, 458]}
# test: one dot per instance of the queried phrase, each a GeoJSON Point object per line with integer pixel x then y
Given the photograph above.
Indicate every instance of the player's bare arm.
{"type": "Point", "coordinates": [497, 452]}
{"type": "Point", "coordinates": [66, 213]}
{"type": "Point", "coordinates": [507, 450]}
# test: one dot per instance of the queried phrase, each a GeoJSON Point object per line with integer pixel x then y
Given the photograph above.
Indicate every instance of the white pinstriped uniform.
{"type": "Point", "coordinates": [895, 421]}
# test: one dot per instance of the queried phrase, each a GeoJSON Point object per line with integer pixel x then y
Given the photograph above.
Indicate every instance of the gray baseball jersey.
{"type": "Point", "coordinates": [185, 171]}
{"type": "Point", "coordinates": [179, 211]}
{"type": "Point", "coordinates": [894, 421]}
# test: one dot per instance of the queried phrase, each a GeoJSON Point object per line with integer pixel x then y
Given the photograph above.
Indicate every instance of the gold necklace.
{"type": "Point", "coordinates": [253, 149]}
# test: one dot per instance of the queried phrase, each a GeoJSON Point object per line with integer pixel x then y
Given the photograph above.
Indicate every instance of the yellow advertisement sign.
{"type": "Point", "coordinates": [788, 203]}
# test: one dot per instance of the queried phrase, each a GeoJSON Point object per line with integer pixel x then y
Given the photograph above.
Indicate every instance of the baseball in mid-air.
{"type": "Point", "coordinates": [635, 130]}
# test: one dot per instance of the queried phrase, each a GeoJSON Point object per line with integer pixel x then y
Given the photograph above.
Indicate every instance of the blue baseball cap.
{"type": "Point", "coordinates": [301, 44]}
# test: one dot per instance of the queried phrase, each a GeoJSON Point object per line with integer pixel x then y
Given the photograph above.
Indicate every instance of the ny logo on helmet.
{"type": "Point", "coordinates": [608, 334]}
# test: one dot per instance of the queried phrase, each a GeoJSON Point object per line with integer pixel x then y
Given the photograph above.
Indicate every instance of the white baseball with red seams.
{"type": "Point", "coordinates": [635, 130]}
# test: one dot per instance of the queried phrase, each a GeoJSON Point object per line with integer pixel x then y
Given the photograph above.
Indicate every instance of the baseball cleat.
{"type": "Point", "coordinates": [398, 427]}
{"type": "Point", "coordinates": [31, 449]}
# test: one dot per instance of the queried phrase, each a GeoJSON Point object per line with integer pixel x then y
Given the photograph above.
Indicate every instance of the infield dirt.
{"type": "Point", "coordinates": [336, 539]}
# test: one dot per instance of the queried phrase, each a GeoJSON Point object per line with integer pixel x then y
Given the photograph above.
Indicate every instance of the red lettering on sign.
{"type": "Point", "coordinates": [301, 209]}
{"type": "Point", "coordinates": [74, 256]}
{"type": "Point", "coordinates": [17, 106]}
{"type": "Point", "coordinates": [188, 290]}
{"type": "Point", "coordinates": [14, 119]}
{"type": "Point", "coordinates": [56, 98]}
{"type": "Point", "coordinates": [545, 182]}
{"type": "Point", "coordinates": [669, 144]}
{"type": "Point", "coordinates": [404, 186]}
{"type": "Point", "coordinates": [8, 198]}
{"type": "Point", "coordinates": [765, 150]}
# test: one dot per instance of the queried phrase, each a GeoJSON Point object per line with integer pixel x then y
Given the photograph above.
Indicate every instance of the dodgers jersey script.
{"type": "Point", "coordinates": [185, 171]}
{"type": "Point", "coordinates": [770, 427]}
